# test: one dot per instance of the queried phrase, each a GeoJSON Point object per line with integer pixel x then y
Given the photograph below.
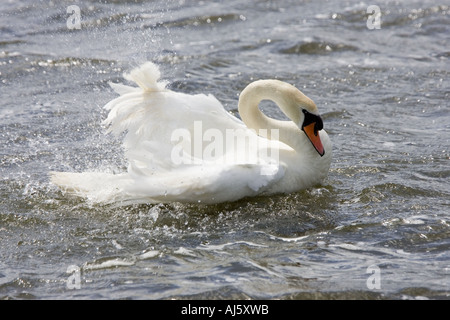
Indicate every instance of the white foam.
{"type": "Point", "coordinates": [149, 254]}
{"type": "Point", "coordinates": [108, 264]}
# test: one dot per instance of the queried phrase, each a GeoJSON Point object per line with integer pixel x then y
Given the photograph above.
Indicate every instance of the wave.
{"type": "Point", "coordinates": [318, 47]}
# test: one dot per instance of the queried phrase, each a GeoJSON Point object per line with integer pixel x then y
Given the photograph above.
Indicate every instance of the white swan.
{"type": "Point", "coordinates": [188, 148]}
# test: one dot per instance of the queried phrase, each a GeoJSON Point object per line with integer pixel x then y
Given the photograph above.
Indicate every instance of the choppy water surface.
{"type": "Point", "coordinates": [378, 228]}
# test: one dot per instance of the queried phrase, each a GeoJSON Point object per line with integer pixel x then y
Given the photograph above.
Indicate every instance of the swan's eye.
{"type": "Point", "coordinates": [319, 124]}
{"type": "Point", "coordinates": [312, 118]}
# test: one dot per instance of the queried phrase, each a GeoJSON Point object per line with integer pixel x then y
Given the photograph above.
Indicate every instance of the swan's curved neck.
{"type": "Point", "coordinates": [284, 95]}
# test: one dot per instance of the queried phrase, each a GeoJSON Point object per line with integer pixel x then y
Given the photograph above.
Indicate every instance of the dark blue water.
{"type": "Point", "coordinates": [379, 228]}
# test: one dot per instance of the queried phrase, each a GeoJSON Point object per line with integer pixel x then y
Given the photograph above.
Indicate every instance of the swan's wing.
{"type": "Point", "coordinates": [161, 124]}
{"type": "Point", "coordinates": [199, 184]}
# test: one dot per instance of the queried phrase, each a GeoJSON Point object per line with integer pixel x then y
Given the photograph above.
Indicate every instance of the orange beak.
{"type": "Point", "coordinates": [313, 136]}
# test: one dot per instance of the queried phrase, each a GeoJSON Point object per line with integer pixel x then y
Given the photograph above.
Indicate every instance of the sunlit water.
{"type": "Point", "coordinates": [379, 227]}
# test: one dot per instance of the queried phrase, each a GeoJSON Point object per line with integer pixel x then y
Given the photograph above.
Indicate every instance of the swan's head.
{"type": "Point", "coordinates": [308, 119]}
{"type": "Point", "coordinates": [311, 125]}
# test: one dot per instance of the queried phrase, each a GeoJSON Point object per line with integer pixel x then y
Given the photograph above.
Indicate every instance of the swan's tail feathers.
{"type": "Point", "coordinates": [146, 77]}
{"type": "Point", "coordinates": [126, 112]}
{"type": "Point", "coordinates": [122, 89]}
{"type": "Point", "coordinates": [97, 187]}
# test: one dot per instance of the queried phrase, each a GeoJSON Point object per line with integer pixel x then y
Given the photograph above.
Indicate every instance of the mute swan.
{"type": "Point", "coordinates": [188, 148]}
